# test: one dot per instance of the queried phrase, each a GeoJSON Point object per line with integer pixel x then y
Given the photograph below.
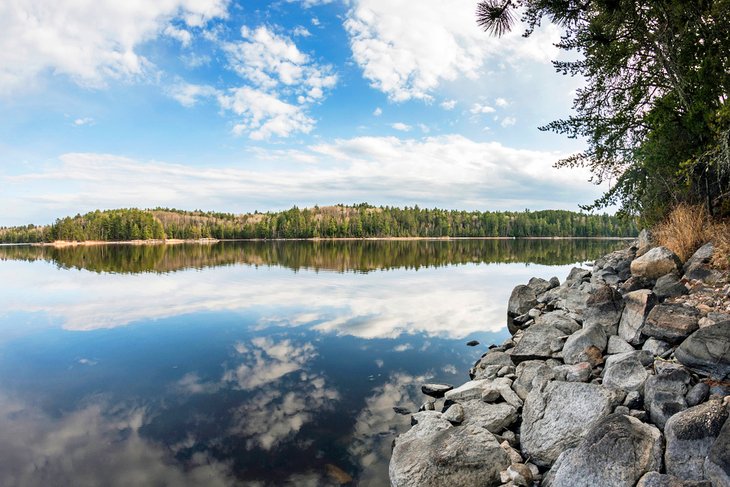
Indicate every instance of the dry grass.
{"type": "Point", "coordinates": [721, 239]}
{"type": "Point", "coordinates": [685, 230]}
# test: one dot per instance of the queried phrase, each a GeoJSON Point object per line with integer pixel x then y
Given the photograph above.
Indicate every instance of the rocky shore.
{"type": "Point", "coordinates": [617, 376]}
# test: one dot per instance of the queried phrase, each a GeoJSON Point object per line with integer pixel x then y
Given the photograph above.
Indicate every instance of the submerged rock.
{"type": "Point", "coordinates": [616, 452]}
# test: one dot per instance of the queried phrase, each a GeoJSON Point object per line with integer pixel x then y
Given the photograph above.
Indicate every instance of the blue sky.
{"type": "Point", "coordinates": [245, 105]}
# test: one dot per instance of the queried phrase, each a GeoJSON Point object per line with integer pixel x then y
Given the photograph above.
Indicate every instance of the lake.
{"type": "Point", "coordinates": [241, 363]}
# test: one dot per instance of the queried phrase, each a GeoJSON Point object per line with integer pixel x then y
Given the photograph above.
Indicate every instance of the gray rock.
{"type": "Point", "coordinates": [637, 305]}
{"type": "Point", "coordinates": [626, 371]}
{"type": "Point", "coordinates": [707, 351]}
{"type": "Point", "coordinates": [492, 358]}
{"type": "Point", "coordinates": [617, 344]}
{"type": "Point", "coordinates": [492, 417]}
{"type": "Point", "coordinates": [656, 347]}
{"type": "Point", "coordinates": [616, 452]}
{"type": "Point", "coordinates": [467, 391]}
{"type": "Point", "coordinates": [531, 373]}
{"type": "Point", "coordinates": [604, 307]}
{"type": "Point", "coordinates": [634, 284]}
{"type": "Point", "coordinates": [541, 286]}
{"type": "Point", "coordinates": [633, 400]}
{"type": "Point", "coordinates": [573, 351]}
{"type": "Point", "coordinates": [579, 372]}
{"type": "Point", "coordinates": [433, 453]}
{"type": "Point", "coordinates": [664, 394]}
{"type": "Point", "coordinates": [455, 414]}
{"type": "Point", "coordinates": [436, 390]}
{"type": "Point", "coordinates": [501, 388]}
{"type": "Point", "coordinates": [577, 274]}
{"type": "Point", "coordinates": [690, 434]}
{"type": "Point", "coordinates": [656, 263]}
{"type": "Point", "coordinates": [559, 319]}
{"type": "Point", "coordinates": [645, 239]}
{"type": "Point", "coordinates": [655, 479]}
{"type": "Point", "coordinates": [697, 394]}
{"type": "Point", "coordinates": [535, 343]}
{"type": "Point", "coordinates": [671, 322]}
{"type": "Point", "coordinates": [557, 416]}
{"type": "Point", "coordinates": [717, 464]}
{"type": "Point", "coordinates": [669, 286]}
{"type": "Point", "coordinates": [522, 299]}
{"type": "Point", "coordinates": [702, 256]}
{"type": "Point", "coordinates": [578, 295]}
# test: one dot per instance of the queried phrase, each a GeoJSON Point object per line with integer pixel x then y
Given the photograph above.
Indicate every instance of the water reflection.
{"type": "Point", "coordinates": [238, 374]}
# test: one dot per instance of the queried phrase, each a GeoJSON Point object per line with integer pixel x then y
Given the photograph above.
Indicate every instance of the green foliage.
{"type": "Point", "coordinates": [654, 110]}
{"type": "Point", "coordinates": [359, 221]}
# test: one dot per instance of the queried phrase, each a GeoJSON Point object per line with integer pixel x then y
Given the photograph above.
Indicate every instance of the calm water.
{"type": "Point", "coordinates": [245, 363]}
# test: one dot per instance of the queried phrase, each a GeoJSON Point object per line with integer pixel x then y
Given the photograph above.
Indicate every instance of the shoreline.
{"type": "Point", "coordinates": [209, 241]}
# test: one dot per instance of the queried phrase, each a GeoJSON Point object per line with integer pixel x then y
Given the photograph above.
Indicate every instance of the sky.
{"type": "Point", "coordinates": [250, 105]}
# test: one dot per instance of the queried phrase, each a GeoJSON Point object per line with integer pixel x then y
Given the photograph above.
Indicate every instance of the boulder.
{"type": "Point", "coordinates": [617, 344]}
{"type": "Point", "coordinates": [493, 360]}
{"type": "Point", "coordinates": [557, 415]}
{"type": "Point", "coordinates": [690, 434]}
{"type": "Point", "coordinates": [531, 373]}
{"type": "Point", "coordinates": [656, 479]}
{"type": "Point", "coordinates": [707, 351]}
{"type": "Point", "coordinates": [656, 347]}
{"type": "Point", "coordinates": [604, 307]}
{"type": "Point", "coordinates": [559, 319]}
{"type": "Point", "coordinates": [617, 451]}
{"type": "Point", "coordinates": [535, 343]}
{"type": "Point", "coordinates": [717, 464]}
{"type": "Point", "coordinates": [522, 300]}
{"type": "Point", "coordinates": [436, 390]}
{"type": "Point", "coordinates": [656, 263]}
{"type": "Point", "coordinates": [697, 266]}
{"type": "Point", "coordinates": [634, 284]}
{"type": "Point", "coordinates": [664, 394]}
{"type": "Point", "coordinates": [575, 346]}
{"type": "Point", "coordinates": [669, 286]}
{"type": "Point", "coordinates": [627, 371]}
{"type": "Point", "coordinates": [492, 417]}
{"type": "Point", "coordinates": [671, 322]}
{"type": "Point", "coordinates": [541, 285]}
{"type": "Point", "coordinates": [577, 274]}
{"type": "Point", "coordinates": [578, 295]}
{"type": "Point", "coordinates": [433, 453]}
{"type": "Point", "coordinates": [469, 390]}
{"type": "Point", "coordinates": [637, 305]}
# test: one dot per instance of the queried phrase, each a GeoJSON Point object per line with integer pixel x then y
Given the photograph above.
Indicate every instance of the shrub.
{"type": "Point", "coordinates": [685, 230]}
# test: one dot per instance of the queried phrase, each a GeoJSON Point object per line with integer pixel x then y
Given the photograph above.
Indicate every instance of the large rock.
{"type": "Point", "coordinates": [557, 416]}
{"type": "Point", "coordinates": [697, 266]}
{"type": "Point", "coordinates": [627, 371]}
{"type": "Point", "coordinates": [615, 452]}
{"type": "Point", "coordinates": [434, 453]}
{"type": "Point", "coordinates": [617, 344]}
{"type": "Point", "coordinates": [669, 286]}
{"type": "Point", "coordinates": [535, 343]}
{"type": "Point", "coordinates": [655, 263]}
{"type": "Point", "coordinates": [717, 465]}
{"type": "Point", "coordinates": [522, 300]}
{"type": "Point", "coordinates": [492, 361]}
{"type": "Point", "coordinates": [559, 319]}
{"type": "Point", "coordinates": [575, 346]}
{"type": "Point", "coordinates": [604, 307]}
{"type": "Point", "coordinates": [690, 434]}
{"type": "Point", "coordinates": [467, 391]}
{"type": "Point", "coordinates": [541, 286]}
{"type": "Point", "coordinates": [531, 373]}
{"type": "Point", "coordinates": [578, 295]}
{"type": "Point", "coordinates": [637, 305]}
{"type": "Point", "coordinates": [671, 322]}
{"type": "Point", "coordinates": [656, 479]}
{"type": "Point", "coordinates": [664, 394]}
{"type": "Point", "coordinates": [492, 417]}
{"type": "Point", "coordinates": [707, 351]}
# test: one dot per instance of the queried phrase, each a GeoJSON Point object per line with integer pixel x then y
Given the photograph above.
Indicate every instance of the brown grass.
{"type": "Point", "coordinates": [721, 239]}
{"type": "Point", "coordinates": [685, 230]}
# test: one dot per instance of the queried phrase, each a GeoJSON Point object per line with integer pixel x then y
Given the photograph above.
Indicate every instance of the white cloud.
{"type": "Point", "coordinates": [277, 71]}
{"type": "Point", "coordinates": [189, 94]}
{"type": "Point", "coordinates": [424, 128]}
{"type": "Point", "coordinates": [181, 35]}
{"type": "Point", "coordinates": [300, 31]}
{"type": "Point", "coordinates": [80, 122]}
{"type": "Point", "coordinates": [448, 104]}
{"type": "Point", "coordinates": [378, 112]}
{"type": "Point", "coordinates": [501, 102]}
{"type": "Point", "coordinates": [315, 21]}
{"type": "Point", "coordinates": [88, 40]}
{"type": "Point", "coordinates": [407, 52]}
{"type": "Point", "coordinates": [401, 126]}
{"type": "Point", "coordinates": [479, 108]}
{"type": "Point", "coordinates": [508, 121]}
{"type": "Point", "coordinates": [264, 114]}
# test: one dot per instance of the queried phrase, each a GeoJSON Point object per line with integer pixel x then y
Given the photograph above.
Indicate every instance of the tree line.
{"type": "Point", "coordinates": [340, 221]}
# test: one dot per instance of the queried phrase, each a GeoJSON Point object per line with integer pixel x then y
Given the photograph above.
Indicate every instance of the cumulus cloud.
{"type": "Point", "coordinates": [508, 121]}
{"type": "Point", "coordinates": [378, 112]}
{"type": "Point", "coordinates": [80, 122]}
{"type": "Point", "coordinates": [408, 52]}
{"type": "Point", "coordinates": [188, 94]}
{"type": "Point", "coordinates": [89, 41]}
{"type": "Point", "coordinates": [401, 126]}
{"type": "Point", "coordinates": [501, 102]}
{"type": "Point", "coordinates": [448, 104]}
{"type": "Point", "coordinates": [478, 108]}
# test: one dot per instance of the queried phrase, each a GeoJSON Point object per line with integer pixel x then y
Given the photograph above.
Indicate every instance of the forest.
{"type": "Point", "coordinates": [339, 221]}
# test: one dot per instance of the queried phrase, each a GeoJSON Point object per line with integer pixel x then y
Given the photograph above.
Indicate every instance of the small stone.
{"type": "Point", "coordinates": [639, 414]}
{"type": "Point", "coordinates": [520, 474]}
{"type": "Point", "coordinates": [656, 347]}
{"type": "Point", "coordinates": [472, 343]}
{"type": "Point", "coordinates": [514, 455]}
{"type": "Point", "coordinates": [401, 410]}
{"type": "Point", "coordinates": [633, 400]}
{"type": "Point", "coordinates": [622, 410]}
{"type": "Point", "coordinates": [455, 414]}
{"type": "Point", "coordinates": [697, 394]}
{"type": "Point", "coordinates": [617, 344]}
{"type": "Point", "coordinates": [427, 406]}
{"type": "Point", "coordinates": [579, 372]}
{"type": "Point", "coordinates": [575, 346]}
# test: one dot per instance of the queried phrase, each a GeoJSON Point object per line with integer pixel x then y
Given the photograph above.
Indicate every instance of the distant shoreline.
{"type": "Point", "coordinates": [208, 241]}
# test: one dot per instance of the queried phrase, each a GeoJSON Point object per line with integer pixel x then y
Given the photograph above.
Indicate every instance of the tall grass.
{"type": "Point", "coordinates": [685, 230]}
{"type": "Point", "coordinates": [721, 239]}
